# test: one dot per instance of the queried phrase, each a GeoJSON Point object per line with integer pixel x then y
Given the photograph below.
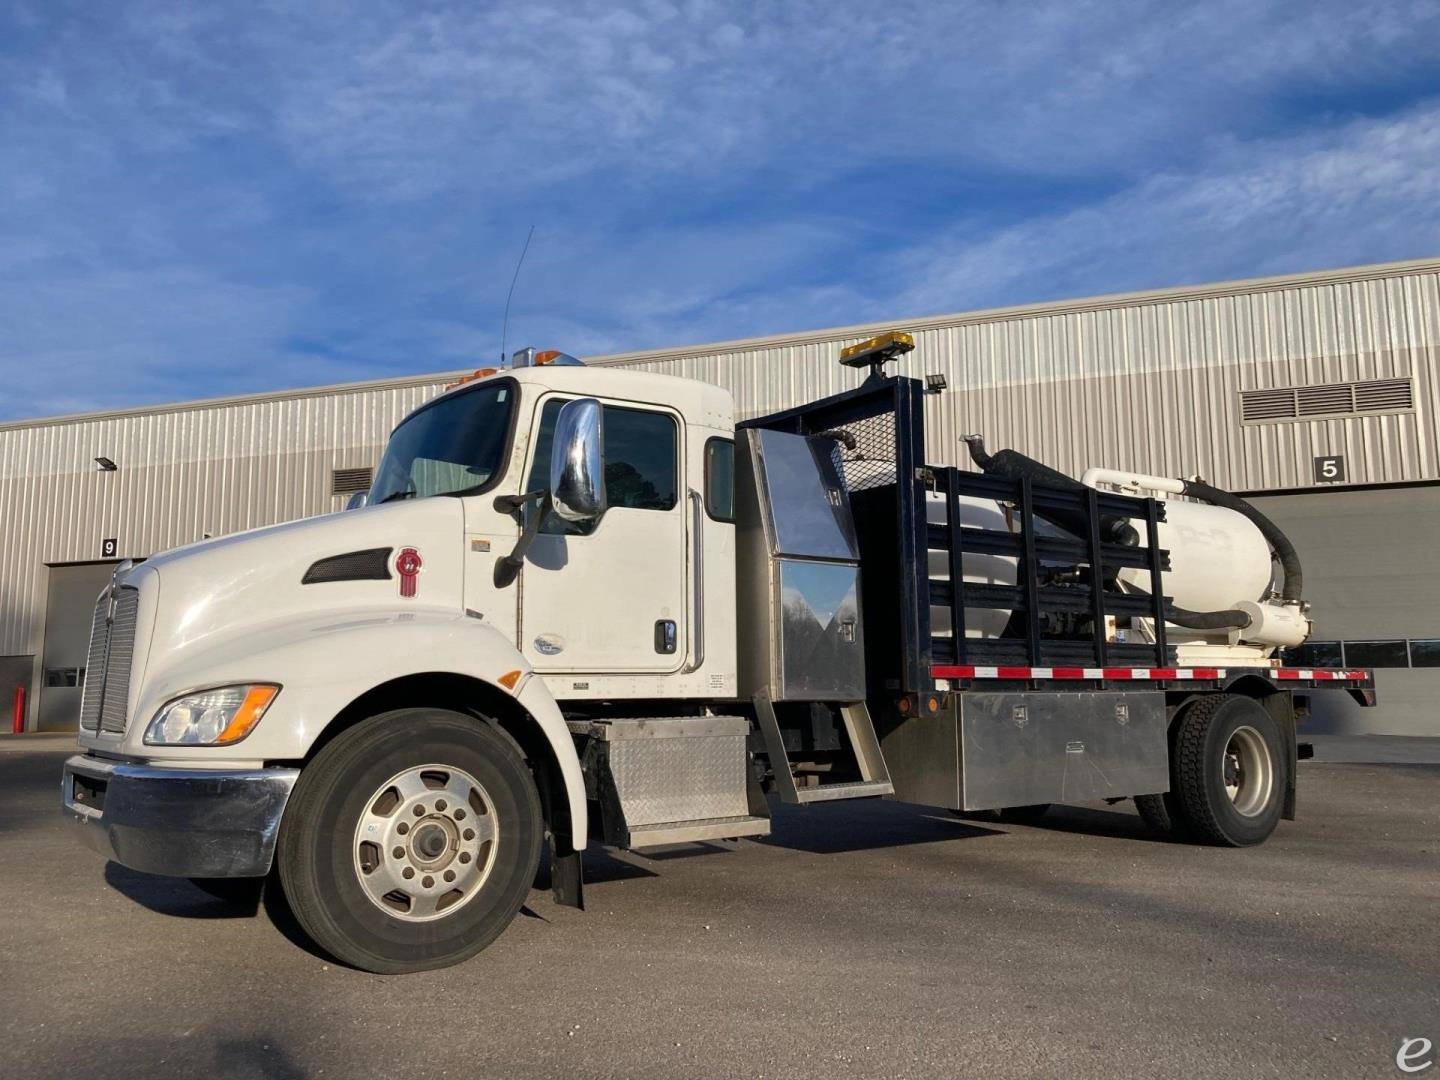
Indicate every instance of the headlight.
{"type": "Point", "coordinates": [211, 717]}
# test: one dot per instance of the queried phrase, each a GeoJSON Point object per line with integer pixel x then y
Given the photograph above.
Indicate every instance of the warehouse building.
{"type": "Point", "coordinates": [1315, 394]}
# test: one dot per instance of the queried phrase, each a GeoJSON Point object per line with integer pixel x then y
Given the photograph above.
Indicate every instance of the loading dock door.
{"type": "Point", "coordinates": [68, 615]}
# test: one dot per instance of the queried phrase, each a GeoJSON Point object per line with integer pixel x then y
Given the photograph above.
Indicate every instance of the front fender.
{"type": "Point", "coordinates": [325, 662]}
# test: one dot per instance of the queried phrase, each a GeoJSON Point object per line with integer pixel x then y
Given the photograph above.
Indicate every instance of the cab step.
{"type": "Point", "coordinates": [685, 832]}
{"type": "Point", "coordinates": [859, 789]}
{"type": "Point", "coordinates": [865, 747]}
{"type": "Point", "coordinates": [670, 779]}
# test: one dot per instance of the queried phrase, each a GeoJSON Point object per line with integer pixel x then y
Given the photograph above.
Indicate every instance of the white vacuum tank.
{"type": "Point", "coordinates": [1218, 558]}
{"type": "Point", "coordinates": [979, 569]}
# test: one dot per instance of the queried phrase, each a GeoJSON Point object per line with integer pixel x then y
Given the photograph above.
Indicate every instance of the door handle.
{"type": "Point", "coordinates": [697, 572]}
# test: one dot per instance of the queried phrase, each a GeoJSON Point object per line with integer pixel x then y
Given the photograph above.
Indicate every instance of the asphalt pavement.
{"type": "Point", "coordinates": [867, 939]}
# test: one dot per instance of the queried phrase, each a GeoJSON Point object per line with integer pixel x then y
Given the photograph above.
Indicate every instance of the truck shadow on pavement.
{"type": "Point", "coordinates": [874, 824]}
{"type": "Point", "coordinates": [176, 896]}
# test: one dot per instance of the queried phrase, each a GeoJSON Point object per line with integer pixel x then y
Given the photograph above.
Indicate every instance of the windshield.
{"type": "Point", "coordinates": [450, 448]}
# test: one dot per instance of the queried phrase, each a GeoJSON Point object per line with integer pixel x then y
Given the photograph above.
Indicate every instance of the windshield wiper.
{"type": "Point", "coordinates": [394, 495]}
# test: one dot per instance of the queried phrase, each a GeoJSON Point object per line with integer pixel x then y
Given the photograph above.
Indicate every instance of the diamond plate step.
{"type": "Point", "coordinates": [682, 832]}
{"type": "Point", "coordinates": [860, 789]}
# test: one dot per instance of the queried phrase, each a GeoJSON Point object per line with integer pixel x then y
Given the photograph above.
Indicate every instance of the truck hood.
{"type": "Point", "coordinates": [219, 588]}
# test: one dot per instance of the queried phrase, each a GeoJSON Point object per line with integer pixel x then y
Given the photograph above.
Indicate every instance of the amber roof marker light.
{"type": "Point", "coordinates": [877, 351]}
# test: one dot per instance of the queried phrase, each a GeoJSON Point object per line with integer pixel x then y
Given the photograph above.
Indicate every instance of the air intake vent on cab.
{"type": "Point", "coordinates": [1327, 401]}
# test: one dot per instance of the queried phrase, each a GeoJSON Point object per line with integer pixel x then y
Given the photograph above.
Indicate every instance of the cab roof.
{"type": "Point", "coordinates": [699, 402]}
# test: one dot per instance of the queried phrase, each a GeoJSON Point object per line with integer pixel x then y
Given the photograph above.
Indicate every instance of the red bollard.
{"type": "Point", "coordinates": [17, 722]}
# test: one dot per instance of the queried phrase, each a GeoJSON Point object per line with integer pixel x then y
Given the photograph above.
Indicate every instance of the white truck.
{"type": "Point", "coordinates": [586, 605]}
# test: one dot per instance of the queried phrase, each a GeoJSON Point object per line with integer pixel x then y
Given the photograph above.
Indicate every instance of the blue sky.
{"type": "Point", "coordinates": [203, 199]}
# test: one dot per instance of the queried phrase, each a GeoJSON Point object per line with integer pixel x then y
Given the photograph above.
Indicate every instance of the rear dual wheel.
{"type": "Point", "coordinates": [1229, 772]}
{"type": "Point", "coordinates": [411, 841]}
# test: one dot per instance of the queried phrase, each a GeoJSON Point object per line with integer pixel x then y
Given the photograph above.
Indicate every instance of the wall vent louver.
{"type": "Point", "coordinates": [349, 481]}
{"type": "Point", "coordinates": [1327, 401]}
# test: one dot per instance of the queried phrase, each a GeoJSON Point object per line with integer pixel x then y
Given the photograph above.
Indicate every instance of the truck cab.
{"type": "Point", "coordinates": [585, 605]}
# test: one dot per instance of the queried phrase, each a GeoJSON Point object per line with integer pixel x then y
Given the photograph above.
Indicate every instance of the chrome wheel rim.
{"type": "Point", "coordinates": [1249, 772]}
{"type": "Point", "coordinates": [425, 843]}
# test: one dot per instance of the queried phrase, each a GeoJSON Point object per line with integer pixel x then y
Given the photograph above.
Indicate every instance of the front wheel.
{"type": "Point", "coordinates": [411, 841]}
{"type": "Point", "coordinates": [1229, 770]}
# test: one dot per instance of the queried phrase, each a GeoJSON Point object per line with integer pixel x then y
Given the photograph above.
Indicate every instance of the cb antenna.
{"type": "Point", "coordinates": [505, 324]}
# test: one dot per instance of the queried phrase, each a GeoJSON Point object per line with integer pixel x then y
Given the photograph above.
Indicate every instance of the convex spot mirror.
{"type": "Point", "coordinates": [358, 500]}
{"type": "Point", "coordinates": [577, 464]}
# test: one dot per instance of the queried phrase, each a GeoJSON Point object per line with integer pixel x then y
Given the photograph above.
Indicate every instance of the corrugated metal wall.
{"type": "Point", "coordinates": [1152, 386]}
{"type": "Point", "coordinates": [182, 474]}
{"type": "Point", "coordinates": [1148, 382]}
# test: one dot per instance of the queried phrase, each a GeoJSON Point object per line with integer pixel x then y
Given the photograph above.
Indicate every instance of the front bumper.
{"type": "Point", "coordinates": [179, 822]}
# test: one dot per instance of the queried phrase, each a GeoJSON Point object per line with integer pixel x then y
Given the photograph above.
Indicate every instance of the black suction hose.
{"type": "Point", "coordinates": [1012, 465]}
{"type": "Point", "coordinates": [1278, 541]}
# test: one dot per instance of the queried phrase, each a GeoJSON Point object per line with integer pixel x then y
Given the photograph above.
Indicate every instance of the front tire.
{"type": "Point", "coordinates": [411, 841]}
{"type": "Point", "coordinates": [1229, 770]}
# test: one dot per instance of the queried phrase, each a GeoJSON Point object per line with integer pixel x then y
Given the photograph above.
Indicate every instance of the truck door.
{"type": "Point", "coordinates": [611, 596]}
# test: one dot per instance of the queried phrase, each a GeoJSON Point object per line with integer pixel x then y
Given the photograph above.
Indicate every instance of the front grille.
{"type": "Point", "coordinates": [107, 672]}
{"type": "Point", "coordinates": [95, 666]}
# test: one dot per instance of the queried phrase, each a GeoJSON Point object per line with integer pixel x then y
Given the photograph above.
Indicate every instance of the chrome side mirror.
{"type": "Point", "coordinates": [577, 466]}
{"type": "Point", "coordinates": [358, 500]}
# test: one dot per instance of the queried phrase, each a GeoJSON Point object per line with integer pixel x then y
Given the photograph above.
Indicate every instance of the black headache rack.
{"type": "Point", "coordinates": [1065, 591]}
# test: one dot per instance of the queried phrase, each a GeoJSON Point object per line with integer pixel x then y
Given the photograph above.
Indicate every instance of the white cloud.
{"type": "Point", "coordinates": [208, 198]}
{"type": "Point", "coordinates": [1365, 192]}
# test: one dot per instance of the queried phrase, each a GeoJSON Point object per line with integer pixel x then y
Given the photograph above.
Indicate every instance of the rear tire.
{"type": "Point", "coordinates": [411, 841]}
{"type": "Point", "coordinates": [1163, 814]}
{"type": "Point", "coordinates": [1229, 770]}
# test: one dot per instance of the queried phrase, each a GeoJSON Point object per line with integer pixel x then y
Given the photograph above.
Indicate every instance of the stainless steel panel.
{"type": "Point", "coordinates": [807, 511]}
{"type": "Point", "coordinates": [986, 751]}
{"type": "Point", "coordinates": [1020, 749]}
{"type": "Point", "coordinates": [821, 646]}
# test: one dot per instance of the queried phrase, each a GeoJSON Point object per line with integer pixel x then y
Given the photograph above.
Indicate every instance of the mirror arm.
{"type": "Point", "coordinates": [513, 504]}
{"type": "Point", "coordinates": [507, 569]}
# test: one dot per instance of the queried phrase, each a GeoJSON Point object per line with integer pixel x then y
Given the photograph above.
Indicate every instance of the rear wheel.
{"type": "Point", "coordinates": [411, 841]}
{"type": "Point", "coordinates": [1162, 813]}
{"type": "Point", "coordinates": [1229, 770]}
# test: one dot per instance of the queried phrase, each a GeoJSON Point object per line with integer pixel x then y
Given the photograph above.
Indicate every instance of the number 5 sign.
{"type": "Point", "coordinates": [1329, 469]}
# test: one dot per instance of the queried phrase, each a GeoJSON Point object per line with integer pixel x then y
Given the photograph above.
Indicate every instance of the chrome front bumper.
{"type": "Point", "coordinates": [179, 822]}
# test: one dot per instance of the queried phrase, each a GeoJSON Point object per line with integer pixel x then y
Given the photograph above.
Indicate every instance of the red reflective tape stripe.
{"type": "Point", "coordinates": [1013, 672]}
{"type": "Point", "coordinates": [1206, 672]}
{"type": "Point", "coordinates": [952, 671]}
{"type": "Point", "coordinates": [1117, 673]}
{"type": "Point", "coordinates": [1164, 673]}
{"type": "Point", "coordinates": [1068, 672]}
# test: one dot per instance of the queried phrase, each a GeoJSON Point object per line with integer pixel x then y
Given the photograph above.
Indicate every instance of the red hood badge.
{"type": "Point", "coordinates": [407, 565]}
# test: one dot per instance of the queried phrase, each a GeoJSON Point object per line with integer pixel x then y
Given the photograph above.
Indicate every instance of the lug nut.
{"type": "Point", "coordinates": [469, 834]}
{"type": "Point", "coordinates": [464, 856]}
{"type": "Point", "coordinates": [408, 872]}
{"type": "Point", "coordinates": [439, 804]}
{"type": "Point", "coordinates": [419, 809]}
{"type": "Point", "coordinates": [428, 881]}
{"type": "Point", "coordinates": [449, 875]}
{"type": "Point", "coordinates": [399, 853]}
{"type": "Point", "coordinates": [402, 828]}
{"type": "Point", "coordinates": [459, 814]}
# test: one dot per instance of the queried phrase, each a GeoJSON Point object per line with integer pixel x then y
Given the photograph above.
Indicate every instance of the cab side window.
{"type": "Point", "coordinates": [641, 461]}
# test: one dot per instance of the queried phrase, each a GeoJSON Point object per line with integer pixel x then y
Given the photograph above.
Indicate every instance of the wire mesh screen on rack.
{"type": "Point", "coordinates": [871, 463]}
